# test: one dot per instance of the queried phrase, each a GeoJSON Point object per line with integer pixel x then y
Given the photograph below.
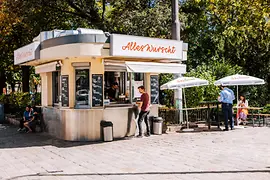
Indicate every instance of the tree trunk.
{"type": "Point", "coordinates": [12, 87]}
{"type": "Point", "coordinates": [36, 87]}
{"type": "Point", "coordinates": [2, 81]}
{"type": "Point", "coordinates": [25, 78]}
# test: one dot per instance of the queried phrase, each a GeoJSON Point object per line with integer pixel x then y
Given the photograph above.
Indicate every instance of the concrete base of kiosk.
{"type": "Point", "coordinates": [84, 124]}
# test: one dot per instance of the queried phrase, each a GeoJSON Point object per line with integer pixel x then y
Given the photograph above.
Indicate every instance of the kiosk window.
{"type": "Point", "coordinates": [137, 80]}
{"type": "Point", "coordinates": [82, 88]}
{"type": "Point", "coordinates": [116, 86]}
{"type": "Point", "coordinates": [56, 86]}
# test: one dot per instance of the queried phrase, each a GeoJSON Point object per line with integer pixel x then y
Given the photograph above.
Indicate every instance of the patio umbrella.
{"type": "Point", "coordinates": [239, 80]}
{"type": "Point", "coordinates": [184, 82]}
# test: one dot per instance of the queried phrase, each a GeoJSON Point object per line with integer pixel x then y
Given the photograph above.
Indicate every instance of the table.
{"type": "Point", "coordinates": [214, 103]}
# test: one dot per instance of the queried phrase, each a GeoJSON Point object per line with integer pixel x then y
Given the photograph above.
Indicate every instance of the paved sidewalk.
{"type": "Point", "coordinates": [243, 154]}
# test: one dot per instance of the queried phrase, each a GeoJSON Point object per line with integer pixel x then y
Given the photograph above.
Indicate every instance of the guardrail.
{"type": "Point", "coordinates": [210, 115]}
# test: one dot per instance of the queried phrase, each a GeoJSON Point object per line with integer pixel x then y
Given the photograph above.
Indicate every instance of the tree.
{"type": "Point", "coordinates": [235, 31]}
{"type": "Point", "coordinates": [7, 20]}
{"type": "Point", "coordinates": [231, 32]}
{"type": "Point", "coordinates": [143, 18]}
{"type": "Point", "coordinates": [21, 21]}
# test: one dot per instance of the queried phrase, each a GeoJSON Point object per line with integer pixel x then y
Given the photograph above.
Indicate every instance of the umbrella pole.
{"type": "Point", "coordinates": [186, 107]}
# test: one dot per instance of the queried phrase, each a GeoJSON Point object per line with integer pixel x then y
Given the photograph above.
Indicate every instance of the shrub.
{"type": "Point", "coordinates": [15, 103]}
{"type": "Point", "coordinates": [266, 109]}
{"type": "Point", "coordinates": [194, 95]}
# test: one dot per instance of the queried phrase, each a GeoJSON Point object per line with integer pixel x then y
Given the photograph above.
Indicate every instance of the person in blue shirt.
{"type": "Point", "coordinates": [29, 124]}
{"type": "Point", "coordinates": [27, 116]}
{"type": "Point", "coordinates": [226, 98]}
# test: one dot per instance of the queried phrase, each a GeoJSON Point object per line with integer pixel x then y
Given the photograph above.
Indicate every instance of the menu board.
{"type": "Point", "coordinates": [97, 90]}
{"type": "Point", "coordinates": [65, 93]}
{"type": "Point", "coordinates": [154, 89]}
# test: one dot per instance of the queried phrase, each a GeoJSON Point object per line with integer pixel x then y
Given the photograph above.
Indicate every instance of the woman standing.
{"type": "Point", "coordinates": [242, 110]}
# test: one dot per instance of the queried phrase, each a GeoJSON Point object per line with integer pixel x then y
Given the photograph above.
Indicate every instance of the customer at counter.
{"type": "Point", "coordinates": [144, 105]}
{"type": "Point", "coordinates": [113, 92]}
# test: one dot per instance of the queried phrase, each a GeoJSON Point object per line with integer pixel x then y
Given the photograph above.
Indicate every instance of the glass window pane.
{"type": "Point", "coordinates": [116, 87]}
{"type": "Point", "coordinates": [137, 82]}
{"type": "Point", "coordinates": [56, 86]}
{"type": "Point", "coordinates": [82, 87]}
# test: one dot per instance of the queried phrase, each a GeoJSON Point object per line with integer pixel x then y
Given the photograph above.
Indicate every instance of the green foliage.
{"type": "Point", "coordinates": [140, 18]}
{"type": "Point", "coordinates": [15, 103]}
{"type": "Point", "coordinates": [195, 95]}
{"type": "Point", "coordinates": [21, 21]}
{"type": "Point", "coordinates": [166, 96]}
{"type": "Point", "coordinates": [19, 99]}
{"type": "Point", "coordinates": [38, 99]}
{"type": "Point", "coordinates": [266, 109]}
{"type": "Point", "coordinates": [211, 73]}
{"type": "Point", "coordinates": [222, 35]}
{"type": "Point", "coordinates": [256, 95]}
{"type": "Point", "coordinates": [235, 31]}
{"type": "Point", "coordinates": [3, 99]}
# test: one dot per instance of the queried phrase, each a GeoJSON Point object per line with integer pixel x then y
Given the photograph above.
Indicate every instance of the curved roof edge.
{"type": "Point", "coordinates": [76, 38]}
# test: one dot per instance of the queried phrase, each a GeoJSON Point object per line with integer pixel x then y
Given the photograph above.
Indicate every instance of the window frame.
{"type": "Point", "coordinates": [54, 96]}
{"type": "Point", "coordinates": [127, 77]}
{"type": "Point", "coordinates": [78, 106]}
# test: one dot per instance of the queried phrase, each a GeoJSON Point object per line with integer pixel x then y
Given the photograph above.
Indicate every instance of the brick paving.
{"type": "Point", "coordinates": [235, 155]}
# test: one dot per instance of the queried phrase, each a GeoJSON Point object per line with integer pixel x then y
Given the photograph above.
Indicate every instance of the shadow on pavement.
{"type": "Point", "coordinates": [142, 173]}
{"type": "Point", "coordinates": [201, 129]}
{"type": "Point", "coordinates": [10, 138]}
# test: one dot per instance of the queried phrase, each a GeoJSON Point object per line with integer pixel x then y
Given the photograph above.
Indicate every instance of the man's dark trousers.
{"type": "Point", "coordinates": [227, 111]}
{"type": "Point", "coordinates": [21, 123]}
{"type": "Point", "coordinates": [144, 116]}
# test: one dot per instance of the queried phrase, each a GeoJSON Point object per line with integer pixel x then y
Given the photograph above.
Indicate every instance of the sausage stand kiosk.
{"type": "Point", "coordinates": [79, 67]}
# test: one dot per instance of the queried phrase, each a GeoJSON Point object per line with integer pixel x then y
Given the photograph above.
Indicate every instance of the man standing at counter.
{"type": "Point", "coordinates": [113, 92]}
{"type": "Point", "coordinates": [144, 105]}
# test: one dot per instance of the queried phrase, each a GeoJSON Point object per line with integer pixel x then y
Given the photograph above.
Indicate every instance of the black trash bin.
{"type": "Point", "coordinates": [107, 130]}
{"type": "Point", "coordinates": [2, 113]}
{"type": "Point", "coordinates": [157, 125]}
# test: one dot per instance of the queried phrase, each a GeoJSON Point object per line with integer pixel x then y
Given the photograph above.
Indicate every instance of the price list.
{"type": "Point", "coordinates": [65, 92]}
{"type": "Point", "coordinates": [154, 89]}
{"type": "Point", "coordinates": [97, 90]}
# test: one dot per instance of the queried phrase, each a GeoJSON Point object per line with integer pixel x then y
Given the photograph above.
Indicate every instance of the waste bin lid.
{"type": "Point", "coordinates": [106, 123]}
{"type": "Point", "coordinates": [158, 119]}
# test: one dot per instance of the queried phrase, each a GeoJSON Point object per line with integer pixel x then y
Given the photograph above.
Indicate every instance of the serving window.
{"type": "Point", "coordinates": [117, 86]}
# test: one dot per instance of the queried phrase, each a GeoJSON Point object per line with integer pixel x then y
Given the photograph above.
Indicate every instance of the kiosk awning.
{"type": "Point", "coordinates": [145, 67]}
{"type": "Point", "coordinates": [50, 67]}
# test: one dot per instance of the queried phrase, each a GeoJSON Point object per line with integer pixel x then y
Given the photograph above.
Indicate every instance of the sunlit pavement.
{"type": "Point", "coordinates": [237, 155]}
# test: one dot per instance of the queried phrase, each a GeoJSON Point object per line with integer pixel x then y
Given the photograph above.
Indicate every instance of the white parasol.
{"type": "Point", "coordinates": [239, 80]}
{"type": "Point", "coordinates": [184, 82]}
